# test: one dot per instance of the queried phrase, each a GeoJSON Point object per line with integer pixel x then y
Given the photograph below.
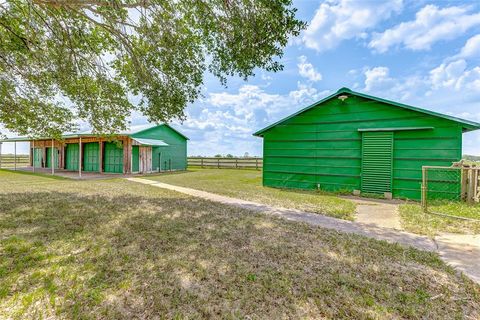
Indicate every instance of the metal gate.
{"type": "Point", "coordinates": [48, 158]}
{"type": "Point", "coordinates": [37, 157]}
{"type": "Point", "coordinates": [377, 162]}
{"type": "Point", "coordinates": [91, 157]}
{"type": "Point", "coordinates": [113, 160]}
{"type": "Point", "coordinates": [135, 159]}
{"type": "Point", "coordinates": [71, 156]}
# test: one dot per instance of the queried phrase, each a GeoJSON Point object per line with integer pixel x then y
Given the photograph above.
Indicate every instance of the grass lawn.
{"type": "Point", "coordinates": [247, 185]}
{"type": "Point", "coordinates": [415, 220]}
{"type": "Point", "coordinates": [119, 250]}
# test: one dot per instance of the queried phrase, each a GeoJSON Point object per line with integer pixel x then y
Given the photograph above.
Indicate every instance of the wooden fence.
{"type": "Point", "coordinates": [226, 163]}
{"type": "Point", "coordinates": [470, 188]}
{"type": "Point", "coordinates": [8, 160]}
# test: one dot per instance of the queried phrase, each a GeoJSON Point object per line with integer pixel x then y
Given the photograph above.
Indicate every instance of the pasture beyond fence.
{"type": "Point", "coordinates": [226, 163]}
{"type": "Point", "coordinates": [7, 161]}
{"type": "Point", "coordinates": [456, 183]}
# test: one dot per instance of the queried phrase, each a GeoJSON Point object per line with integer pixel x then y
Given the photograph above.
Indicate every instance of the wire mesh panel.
{"type": "Point", "coordinates": [441, 183]}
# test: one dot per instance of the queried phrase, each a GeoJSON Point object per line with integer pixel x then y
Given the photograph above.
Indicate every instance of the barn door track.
{"type": "Point", "coordinates": [463, 253]}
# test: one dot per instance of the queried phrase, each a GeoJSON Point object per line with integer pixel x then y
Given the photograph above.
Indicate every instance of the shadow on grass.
{"type": "Point", "coordinates": [130, 256]}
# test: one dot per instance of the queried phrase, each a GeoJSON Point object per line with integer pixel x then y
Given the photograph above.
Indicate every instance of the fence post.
{"type": "Point", "coordinates": [471, 184]}
{"type": "Point", "coordinates": [0, 155]}
{"type": "Point", "coordinates": [256, 163]}
{"type": "Point", "coordinates": [424, 189]}
{"type": "Point", "coordinates": [236, 163]}
{"type": "Point", "coordinates": [477, 185]}
{"type": "Point", "coordinates": [464, 184]}
{"type": "Point", "coordinates": [201, 162]}
{"type": "Point", "coordinates": [218, 163]}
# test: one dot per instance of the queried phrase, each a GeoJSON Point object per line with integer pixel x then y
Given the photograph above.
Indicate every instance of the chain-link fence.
{"type": "Point", "coordinates": [442, 186]}
{"type": "Point", "coordinates": [441, 183]}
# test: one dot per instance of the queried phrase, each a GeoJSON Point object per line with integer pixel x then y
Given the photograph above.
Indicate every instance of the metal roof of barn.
{"type": "Point", "coordinates": [467, 124]}
{"type": "Point", "coordinates": [150, 142]}
{"type": "Point", "coordinates": [88, 133]}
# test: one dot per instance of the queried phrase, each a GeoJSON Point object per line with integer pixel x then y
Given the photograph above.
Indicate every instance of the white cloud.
{"type": "Point", "coordinates": [377, 78]}
{"type": "Point", "coordinates": [224, 122]}
{"type": "Point", "coordinates": [306, 70]}
{"type": "Point", "coordinates": [471, 48]}
{"type": "Point", "coordinates": [456, 76]}
{"type": "Point", "coordinates": [335, 21]}
{"type": "Point", "coordinates": [431, 25]}
{"type": "Point", "coordinates": [451, 88]}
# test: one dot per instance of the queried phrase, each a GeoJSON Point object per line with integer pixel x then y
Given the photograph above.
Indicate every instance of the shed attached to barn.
{"type": "Point", "coordinates": [155, 148]}
{"type": "Point", "coordinates": [353, 141]}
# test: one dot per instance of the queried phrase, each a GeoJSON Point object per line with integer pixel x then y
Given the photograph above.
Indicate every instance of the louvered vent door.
{"type": "Point", "coordinates": [377, 162]}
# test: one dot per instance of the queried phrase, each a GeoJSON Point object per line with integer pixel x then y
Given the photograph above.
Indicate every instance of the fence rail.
{"type": "Point", "coordinates": [8, 160]}
{"type": "Point", "coordinates": [226, 163]}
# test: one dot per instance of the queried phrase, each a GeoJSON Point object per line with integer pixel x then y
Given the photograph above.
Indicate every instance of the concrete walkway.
{"type": "Point", "coordinates": [464, 257]}
{"type": "Point", "coordinates": [380, 213]}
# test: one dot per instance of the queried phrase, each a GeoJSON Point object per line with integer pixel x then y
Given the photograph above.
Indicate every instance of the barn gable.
{"type": "Point", "coordinates": [173, 157]}
{"type": "Point", "coordinates": [333, 99]}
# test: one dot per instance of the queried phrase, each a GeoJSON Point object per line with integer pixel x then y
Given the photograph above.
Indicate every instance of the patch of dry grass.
{"type": "Point", "coordinates": [247, 185]}
{"type": "Point", "coordinates": [115, 249]}
{"type": "Point", "coordinates": [415, 220]}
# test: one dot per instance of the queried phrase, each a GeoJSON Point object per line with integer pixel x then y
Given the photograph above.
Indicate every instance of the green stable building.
{"type": "Point", "coordinates": [152, 149]}
{"type": "Point", "coordinates": [352, 141]}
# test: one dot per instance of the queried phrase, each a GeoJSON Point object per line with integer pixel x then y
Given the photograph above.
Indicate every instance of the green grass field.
{"type": "Point", "coordinates": [247, 185]}
{"type": "Point", "coordinates": [415, 220]}
{"type": "Point", "coordinates": [114, 249]}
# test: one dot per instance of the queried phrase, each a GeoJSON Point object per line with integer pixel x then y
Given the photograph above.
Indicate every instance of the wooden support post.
{"type": "Point", "coordinates": [471, 184]}
{"type": "Point", "coordinates": [201, 161]}
{"type": "Point", "coordinates": [464, 184]}
{"type": "Point", "coordinates": [52, 161]}
{"type": "Point", "coordinates": [33, 155]}
{"type": "Point", "coordinates": [476, 189]}
{"type": "Point", "coordinates": [256, 163]}
{"type": "Point", "coordinates": [236, 163]}
{"type": "Point", "coordinates": [424, 189]}
{"type": "Point", "coordinates": [0, 155]}
{"type": "Point", "coordinates": [218, 163]}
{"type": "Point", "coordinates": [80, 157]}
{"type": "Point", "coordinates": [15, 156]}
{"type": "Point", "coordinates": [160, 161]}
{"type": "Point", "coordinates": [100, 160]}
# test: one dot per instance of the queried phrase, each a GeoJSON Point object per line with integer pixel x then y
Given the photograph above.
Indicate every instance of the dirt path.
{"type": "Point", "coordinates": [461, 253]}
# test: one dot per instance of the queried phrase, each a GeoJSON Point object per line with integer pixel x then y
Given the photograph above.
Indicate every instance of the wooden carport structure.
{"type": "Point", "coordinates": [86, 152]}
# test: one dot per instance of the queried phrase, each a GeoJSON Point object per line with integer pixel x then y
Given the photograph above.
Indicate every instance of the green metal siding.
{"type": "Point", "coordinates": [113, 158]}
{"type": "Point", "coordinates": [48, 158]}
{"type": "Point", "coordinates": [91, 157]}
{"type": "Point", "coordinates": [171, 157]}
{"type": "Point", "coordinates": [71, 156]}
{"type": "Point", "coordinates": [377, 160]}
{"type": "Point", "coordinates": [135, 159]}
{"type": "Point", "coordinates": [322, 147]}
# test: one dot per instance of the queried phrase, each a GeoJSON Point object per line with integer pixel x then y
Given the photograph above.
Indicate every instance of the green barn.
{"type": "Point", "coordinates": [353, 141]}
{"type": "Point", "coordinates": [152, 149]}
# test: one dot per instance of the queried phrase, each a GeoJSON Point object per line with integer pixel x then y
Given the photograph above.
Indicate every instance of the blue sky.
{"type": "Point", "coordinates": [422, 53]}
{"type": "Point", "coordinates": [426, 54]}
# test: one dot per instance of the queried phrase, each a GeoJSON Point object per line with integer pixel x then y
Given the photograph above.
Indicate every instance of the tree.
{"type": "Point", "coordinates": [229, 155]}
{"type": "Point", "coordinates": [97, 61]}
